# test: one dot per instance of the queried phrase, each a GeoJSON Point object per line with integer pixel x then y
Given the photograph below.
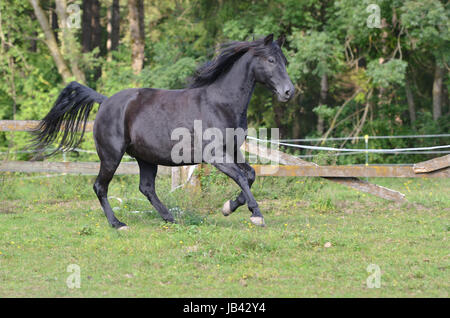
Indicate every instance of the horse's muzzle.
{"type": "Point", "coordinates": [285, 93]}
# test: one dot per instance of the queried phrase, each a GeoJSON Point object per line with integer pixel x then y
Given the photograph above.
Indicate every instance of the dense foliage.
{"type": "Point", "coordinates": [360, 66]}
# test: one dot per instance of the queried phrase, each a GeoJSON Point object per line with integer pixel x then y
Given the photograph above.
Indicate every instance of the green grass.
{"type": "Point", "coordinates": [47, 224]}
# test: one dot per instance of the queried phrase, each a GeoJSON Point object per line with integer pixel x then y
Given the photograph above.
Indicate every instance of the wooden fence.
{"type": "Point", "coordinates": [92, 168]}
{"type": "Point", "coordinates": [289, 166]}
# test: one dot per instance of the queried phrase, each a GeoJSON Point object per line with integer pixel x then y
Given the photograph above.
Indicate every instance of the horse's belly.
{"type": "Point", "coordinates": [151, 153]}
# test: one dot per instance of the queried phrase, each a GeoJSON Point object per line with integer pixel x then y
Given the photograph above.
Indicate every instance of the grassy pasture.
{"type": "Point", "coordinates": [319, 240]}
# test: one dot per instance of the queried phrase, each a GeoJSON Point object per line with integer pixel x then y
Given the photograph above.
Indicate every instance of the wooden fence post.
{"type": "Point", "coordinates": [186, 177]}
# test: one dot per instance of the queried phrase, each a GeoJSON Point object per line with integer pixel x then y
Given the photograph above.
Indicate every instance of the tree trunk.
{"type": "Point", "coordinates": [322, 101]}
{"type": "Point", "coordinates": [137, 34]}
{"type": "Point", "coordinates": [91, 30]}
{"type": "Point", "coordinates": [95, 25]}
{"type": "Point", "coordinates": [411, 104]}
{"type": "Point", "coordinates": [113, 28]}
{"type": "Point", "coordinates": [298, 126]}
{"type": "Point", "coordinates": [279, 115]}
{"type": "Point", "coordinates": [96, 35]}
{"type": "Point", "coordinates": [86, 18]}
{"type": "Point", "coordinates": [34, 33]}
{"type": "Point", "coordinates": [61, 15]}
{"type": "Point", "coordinates": [384, 50]}
{"type": "Point", "coordinates": [437, 92]}
{"type": "Point", "coordinates": [445, 100]}
{"type": "Point", "coordinates": [55, 27]}
{"type": "Point", "coordinates": [69, 46]}
{"type": "Point", "coordinates": [50, 40]}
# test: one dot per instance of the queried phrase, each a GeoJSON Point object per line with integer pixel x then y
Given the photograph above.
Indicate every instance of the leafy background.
{"type": "Point", "coordinates": [368, 70]}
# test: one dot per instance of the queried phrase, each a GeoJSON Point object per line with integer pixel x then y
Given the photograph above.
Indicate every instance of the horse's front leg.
{"type": "Point", "coordinates": [234, 172]}
{"type": "Point", "coordinates": [231, 205]}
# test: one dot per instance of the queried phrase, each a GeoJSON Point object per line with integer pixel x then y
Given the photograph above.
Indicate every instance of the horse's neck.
{"type": "Point", "coordinates": [235, 88]}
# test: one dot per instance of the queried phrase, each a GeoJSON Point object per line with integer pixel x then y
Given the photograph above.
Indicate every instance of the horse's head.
{"type": "Point", "coordinates": [270, 68]}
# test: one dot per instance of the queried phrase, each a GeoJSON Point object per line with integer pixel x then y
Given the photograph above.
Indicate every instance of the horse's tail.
{"type": "Point", "coordinates": [68, 116]}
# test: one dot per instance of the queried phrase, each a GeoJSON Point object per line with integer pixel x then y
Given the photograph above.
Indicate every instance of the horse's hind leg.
{"type": "Point", "coordinates": [107, 169]}
{"type": "Point", "coordinates": [147, 187]}
{"type": "Point", "coordinates": [231, 205]}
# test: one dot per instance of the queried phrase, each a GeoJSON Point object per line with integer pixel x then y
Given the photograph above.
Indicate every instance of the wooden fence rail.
{"type": "Point", "coordinates": [92, 168]}
{"type": "Point", "coordinates": [347, 171]}
{"type": "Point", "coordinates": [28, 125]}
{"type": "Point", "coordinates": [89, 168]}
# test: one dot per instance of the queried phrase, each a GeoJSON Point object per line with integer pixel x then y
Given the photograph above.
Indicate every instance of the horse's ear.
{"type": "Point", "coordinates": [281, 40]}
{"type": "Point", "coordinates": [268, 39]}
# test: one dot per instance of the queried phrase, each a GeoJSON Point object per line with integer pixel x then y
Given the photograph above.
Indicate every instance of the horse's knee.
{"type": "Point", "coordinates": [99, 190]}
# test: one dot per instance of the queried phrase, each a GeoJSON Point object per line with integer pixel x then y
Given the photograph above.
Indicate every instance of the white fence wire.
{"type": "Point", "coordinates": [355, 150]}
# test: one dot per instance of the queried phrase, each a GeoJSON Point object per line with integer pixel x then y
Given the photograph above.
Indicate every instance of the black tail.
{"type": "Point", "coordinates": [69, 114]}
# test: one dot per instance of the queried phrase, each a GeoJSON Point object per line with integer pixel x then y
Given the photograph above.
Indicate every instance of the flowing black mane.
{"type": "Point", "coordinates": [229, 54]}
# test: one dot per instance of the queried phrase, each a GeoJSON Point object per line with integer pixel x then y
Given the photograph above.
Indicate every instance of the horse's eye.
{"type": "Point", "coordinates": [271, 60]}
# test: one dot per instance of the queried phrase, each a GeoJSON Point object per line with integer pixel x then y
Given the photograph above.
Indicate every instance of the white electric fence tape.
{"type": "Point", "coordinates": [356, 150]}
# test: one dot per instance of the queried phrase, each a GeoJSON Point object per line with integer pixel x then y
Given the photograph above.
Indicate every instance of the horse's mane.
{"type": "Point", "coordinates": [228, 55]}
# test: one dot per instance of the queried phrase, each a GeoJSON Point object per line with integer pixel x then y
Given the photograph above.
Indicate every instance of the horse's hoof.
{"type": "Point", "coordinates": [123, 228]}
{"type": "Point", "coordinates": [226, 210]}
{"type": "Point", "coordinates": [257, 220]}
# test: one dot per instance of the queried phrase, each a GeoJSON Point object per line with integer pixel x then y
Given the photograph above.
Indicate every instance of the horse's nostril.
{"type": "Point", "coordinates": [287, 93]}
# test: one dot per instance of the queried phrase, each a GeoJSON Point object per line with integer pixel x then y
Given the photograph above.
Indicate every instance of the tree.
{"type": "Point", "coordinates": [69, 44]}
{"type": "Point", "coordinates": [50, 40]}
{"type": "Point", "coordinates": [113, 28]}
{"type": "Point", "coordinates": [427, 27]}
{"type": "Point", "coordinates": [137, 34]}
{"type": "Point", "coordinates": [411, 103]}
{"type": "Point", "coordinates": [322, 101]}
{"type": "Point", "coordinates": [439, 74]}
{"type": "Point", "coordinates": [91, 33]}
{"type": "Point", "coordinates": [91, 28]}
{"type": "Point", "coordinates": [320, 55]}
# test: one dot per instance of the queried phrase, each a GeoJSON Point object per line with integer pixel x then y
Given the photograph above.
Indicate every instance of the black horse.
{"type": "Point", "coordinates": [140, 121]}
